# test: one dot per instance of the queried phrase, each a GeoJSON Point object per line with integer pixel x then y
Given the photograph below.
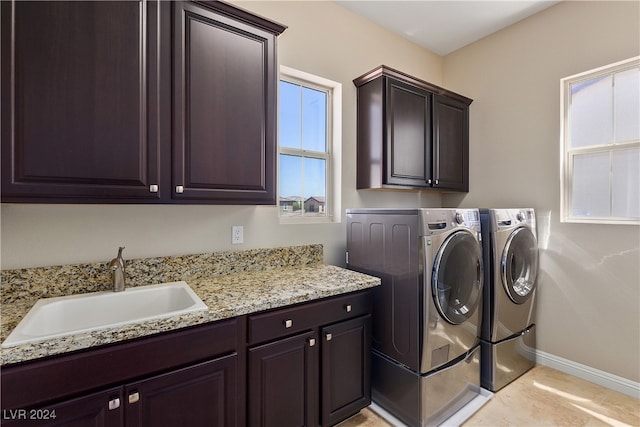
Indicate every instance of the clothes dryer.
{"type": "Point", "coordinates": [510, 250]}
{"type": "Point", "coordinates": [427, 311]}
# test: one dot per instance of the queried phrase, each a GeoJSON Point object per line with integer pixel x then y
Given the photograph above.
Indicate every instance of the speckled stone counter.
{"type": "Point", "coordinates": [229, 283]}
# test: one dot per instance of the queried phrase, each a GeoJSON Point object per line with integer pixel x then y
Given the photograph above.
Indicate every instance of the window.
{"type": "Point", "coordinates": [600, 131]}
{"type": "Point", "coordinates": [309, 148]}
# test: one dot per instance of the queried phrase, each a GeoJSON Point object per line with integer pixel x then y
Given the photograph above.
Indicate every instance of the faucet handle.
{"type": "Point", "coordinates": [117, 267]}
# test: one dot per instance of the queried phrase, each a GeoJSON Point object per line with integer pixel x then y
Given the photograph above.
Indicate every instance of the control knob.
{"type": "Point", "coordinates": [459, 218]}
{"type": "Point", "coordinates": [520, 216]}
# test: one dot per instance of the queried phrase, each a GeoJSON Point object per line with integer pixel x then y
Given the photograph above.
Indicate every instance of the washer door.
{"type": "Point", "coordinates": [519, 265]}
{"type": "Point", "coordinates": [456, 282]}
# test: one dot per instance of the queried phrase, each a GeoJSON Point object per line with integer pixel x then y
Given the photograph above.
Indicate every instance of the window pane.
{"type": "Point", "coordinates": [591, 185]}
{"type": "Point", "coordinates": [302, 186]}
{"type": "Point", "coordinates": [627, 105]}
{"type": "Point", "coordinates": [290, 176]}
{"type": "Point", "coordinates": [315, 179]}
{"type": "Point", "coordinates": [314, 119]}
{"type": "Point", "coordinates": [591, 120]}
{"type": "Point", "coordinates": [289, 115]}
{"type": "Point", "coordinates": [625, 183]}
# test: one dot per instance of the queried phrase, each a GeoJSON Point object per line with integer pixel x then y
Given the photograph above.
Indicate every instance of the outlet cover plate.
{"type": "Point", "coordinates": [237, 234]}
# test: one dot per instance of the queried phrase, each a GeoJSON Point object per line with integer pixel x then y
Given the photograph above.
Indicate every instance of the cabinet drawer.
{"type": "Point", "coordinates": [282, 322]}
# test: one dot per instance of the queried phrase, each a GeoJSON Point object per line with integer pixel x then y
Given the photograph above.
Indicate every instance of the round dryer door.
{"type": "Point", "coordinates": [457, 277]}
{"type": "Point", "coordinates": [519, 265]}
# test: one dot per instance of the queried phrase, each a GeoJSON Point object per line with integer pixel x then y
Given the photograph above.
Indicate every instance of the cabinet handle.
{"type": "Point", "coordinates": [437, 181]}
{"type": "Point", "coordinates": [179, 189]}
{"type": "Point", "coordinates": [153, 188]}
{"type": "Point", "coordinates": [114, 404]}
{"type": "Point", "coordinates": [347, 308]}
{"type": "Point", "coordinates": [312, 342]}
{"type": "Point", "coordinates": [288, 323]}
{"type": "Point", "coordinates": [429, 181]}
{"type": "Point", "coordinates": [329, 337]}
{"type": "Point", "coordinates": [134, 397]}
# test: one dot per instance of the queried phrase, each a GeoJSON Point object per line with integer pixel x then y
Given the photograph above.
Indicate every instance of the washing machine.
{"type": "Point", "coordinates": [427, 312]}
{"type": "Point", "coordinates": [508, 328]}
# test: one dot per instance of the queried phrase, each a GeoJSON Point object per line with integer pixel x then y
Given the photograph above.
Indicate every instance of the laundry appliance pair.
{"type": "Point", "coordinates": [428, 314]}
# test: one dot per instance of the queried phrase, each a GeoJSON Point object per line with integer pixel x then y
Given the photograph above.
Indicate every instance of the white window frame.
{"type": "Point", "coordinates": [333, 154]}
{"type": "Point", "coordinates": [567, 153]}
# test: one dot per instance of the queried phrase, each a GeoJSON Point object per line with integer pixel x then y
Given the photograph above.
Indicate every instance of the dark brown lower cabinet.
{"type": "Point", "coordinates": [86, 411]}
{"type": "Point", "coordinates": [190, 377]}
{"type": "Point", "coordinates": [196, 396]}
{"type": "Point", "coordinates": [302, 365]}
{"type": "Point", "coordinates": [346, 354]}
{"type": "Point", "coordinates": [283, 382]}
{"type": "Point", "coordinates": [306, 381]}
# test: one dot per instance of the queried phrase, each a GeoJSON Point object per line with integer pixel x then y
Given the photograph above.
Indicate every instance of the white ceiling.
{"type": "Point", "coordinates": [444, 26]}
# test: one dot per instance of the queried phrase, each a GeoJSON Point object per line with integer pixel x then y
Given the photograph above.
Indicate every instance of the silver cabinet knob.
{"type": "Point", "coordinates": [179, 189]}
{"type": "Point", "coordinates": [288, 323]}
{"type": "Point", "coordinates": [329, 337]}
{"type": "Point", "coordinates": [437, 181]}
{"type": "Point", "coordinates": [153, 188]}
{"type": "Point", "coordinates": [347, 308]}
{"type": "Point", "coordinates": [312, 342]}
{"type": "Point", "coordinates": [114, 404]}
{"type": "Point", "coordinates": [134, 397]}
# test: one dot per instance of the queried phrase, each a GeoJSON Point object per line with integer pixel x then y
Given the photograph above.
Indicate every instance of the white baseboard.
{"type": "Point", "coordinates": [387, 416]}
{"type": "Point", "coordinates": [605, 379]}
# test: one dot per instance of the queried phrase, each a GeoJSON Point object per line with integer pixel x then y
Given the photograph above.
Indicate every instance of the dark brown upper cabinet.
{"type": "Point", "coordinates": [137, 102]}
{"type": "Point", "coordinates": [224, 82]}
{"type": "Point", "coordinates": [450, 143]}
{"type": "Point", "coordinates": [411, 134]}
{"type": "Point", "coordinates": [80, 89]}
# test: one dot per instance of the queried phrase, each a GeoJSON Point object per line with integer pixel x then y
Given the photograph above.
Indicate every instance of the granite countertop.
{"type": "Point", "coordinates": [226, 296]}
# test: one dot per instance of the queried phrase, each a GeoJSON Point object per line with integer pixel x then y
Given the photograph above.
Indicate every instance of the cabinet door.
{"type": "Point", "coordinates": [346, 366]}
{"type": "Point", "coordinates": [224, 108]}
{"type": "Point", "coordinates": [103, 409]}
{"type": "Point", "coordinates": [451, 144]}
{"type": "Point", "coordinates": [283, 383]}
{"type": "Point", "coordinates": [198, 396]}
{"type": "Point", "coordinates": [408, 149]}
{"type": "Point", "coordinates": [80, 86]}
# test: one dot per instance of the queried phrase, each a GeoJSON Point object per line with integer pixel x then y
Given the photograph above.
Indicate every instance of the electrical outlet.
{"type": "Point", "coordinates": [237, 234]}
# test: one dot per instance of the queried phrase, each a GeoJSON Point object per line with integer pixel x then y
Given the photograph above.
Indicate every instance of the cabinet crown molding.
{"type": "Point", "coordinates": [244, 15]}
{"type": "Point", "coordinates": [386, 71]}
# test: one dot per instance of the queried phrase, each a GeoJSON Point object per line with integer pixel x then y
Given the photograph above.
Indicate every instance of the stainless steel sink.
{"type": "Point", "coordinates": [75, 314]}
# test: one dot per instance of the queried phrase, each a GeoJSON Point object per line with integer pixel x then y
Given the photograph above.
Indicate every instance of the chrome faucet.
{"type": "Point", "coordinates": [117, 271]}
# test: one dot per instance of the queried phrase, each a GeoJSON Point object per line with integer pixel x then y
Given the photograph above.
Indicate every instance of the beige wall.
{"type": "Point", "coordinates": [322, 38]}
{"type": "Point", "coordinates": [589, 287]}
{"type": "Point", "coordinates": [589, 296]}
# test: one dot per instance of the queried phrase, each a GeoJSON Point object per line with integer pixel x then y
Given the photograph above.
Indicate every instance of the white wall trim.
{"type": "Point", "coordinates": [605, 379]}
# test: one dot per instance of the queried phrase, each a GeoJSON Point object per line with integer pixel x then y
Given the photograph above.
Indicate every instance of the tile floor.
{"type": "Point", "coordinates": [543, 397]}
